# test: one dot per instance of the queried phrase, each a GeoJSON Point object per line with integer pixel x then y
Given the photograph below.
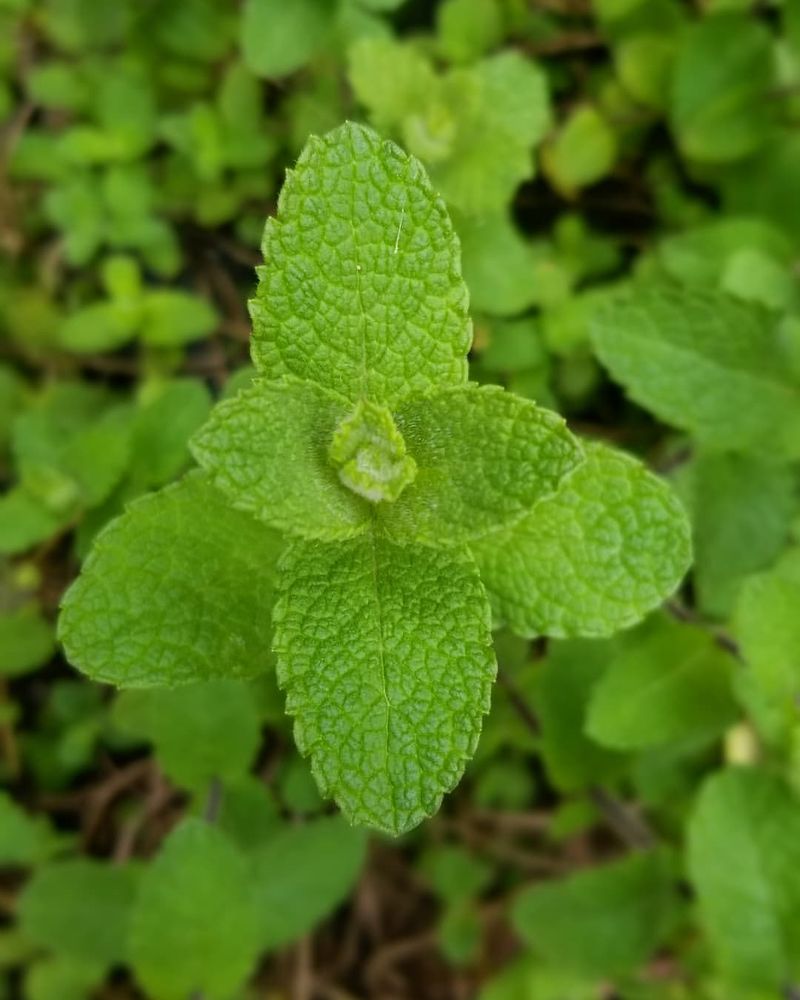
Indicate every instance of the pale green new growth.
{"type": "Point", "coordinates": [385, 654]}
{"type": "Point", "coordinates": [607, 548]}
{"type": "Point", "coordinates": [370, 454]}
{"type": "Point", "coordinates": [363, 444]}
{"type": "Point", "coordinates": [267, 450]}
{"type": "Point", "coordinates": [362, 291]}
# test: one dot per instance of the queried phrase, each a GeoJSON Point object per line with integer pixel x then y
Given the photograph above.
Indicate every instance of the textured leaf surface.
{"type": "Point", "coordinates": [194, 927]}
{"type": "Point", "coordinates": [501, 110]}
{"type": "Point", "coordinates": [670, 682]}
{"type": "Point", "coordinates": [767, 625]}
{"type": "Point", "coordinates": [705, 363]}
{"type": "Point", "coordinates": [744, 862]}
{"type": "Point", "coordinates": [370, 454]}
{"type": "Point", "coordinates": [606, 549]}
{"type": "Point", "coordinates": [267, 450]}
{"type": "Point", "coordinates": [177, 589]}
{"type": "Point", "coordinates": [80, 908]}
{"type": "Point", "coordinates": [200, 731]}
{"type": "Point", "coordinates": [484, 457]}
{"type": "Point", "coordinates": [385, 655]}
{"type": "Point", "coordinates": [362, 291]}
{"type": "Point", "coordinates": [602, 921]}
{"type": "Point", "coordinates": [301, 873]}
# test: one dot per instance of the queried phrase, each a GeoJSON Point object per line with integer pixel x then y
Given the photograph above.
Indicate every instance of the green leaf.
{"type": "Point", "coordinates": [700, 256]}
{"type": "Point", "coordinates": [175, 590]}
{"type": "Point", "coordinates": [267, 450]}
{"type": "Point", "coordinates": [610, 546]}
{"type": "Point", "coordinates": [455, 875]}
{"type": "Point", "coordinates": [581, 152]}
{"type": "Point", "coordinates": [644, 62]}
{"type": "Point", "coordinates": [62, 979]}
{"type": "Point", "coordinates": [171, 317]}
{"type": "Point", "coordinates": [248, 813]}
{"type": "Point", "coordinates": [764, 184]}
{"type": "Point", "coordinates": [527, 977]}
{"type": "Point", "coordinates": [101, 326]}
{"type": "Point", "coordinates": [385, 656]}
{"type": "Point", "coordinates": [744, 862]}
{"type": "Point", "coordinates": [484, 458]}
{"type": "Point", "coordinates": [194, 927]}
{"type": "Point", "coordinates": [501, 110]}
{"type": "Point", "coordinates": [24, 839]}
{"type": "Point", "coordinates": [754, 276]}
{"type": "Point", "coordinates": [706, 363]}
{"type": "Point", "coordinates": [27, 641]}
{"type": "Point", "coordinates": [560, 697]}
{"type": "Point", "coordinates": [200, 731]}
{"type": "Point", "coordinates": [499, 265]}
{"type": "Point", "coordinates": [602, 921]}
{"type": "Point", "coordinates": [390, 79]}
{"type": "Point", "coordinates": [302, 873]}
{"type": "Point", "coordinates": [741, 508]}
{"type": "Point", "coordinates": [670, 682]}
{"type": "Point", "coordinates": [468, 29]}
{"type": "Point", "coordinates": [168, 414]}
{"type": "Point", "coordinates": [722, 74]}
{"type": "Point", "coordinates": [767, 626]}
{"type": "Point", "coordinates": [369, 454]}
{"type": "Point", "coordinates": [361, 292]}
{"type": "Point", "coordinates": [278, 37]}
{"type": "Point", "coordinates": [24, 521]}
{"type": "Point", "coordinates": [72, 445]}
{"type": "Point", "coordinates": [81, 909]}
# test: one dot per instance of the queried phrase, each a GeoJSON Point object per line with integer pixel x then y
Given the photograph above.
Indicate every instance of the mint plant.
{"type": "Point", "coordinates": [362, 509]}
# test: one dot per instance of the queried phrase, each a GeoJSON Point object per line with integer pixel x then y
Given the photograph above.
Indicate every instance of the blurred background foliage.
{"type": "Point", "coordinates": [630, 827]}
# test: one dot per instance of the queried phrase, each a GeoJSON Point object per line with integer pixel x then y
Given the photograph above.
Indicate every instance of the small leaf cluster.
{"type": "Point", "coordinates": [396, 487]}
